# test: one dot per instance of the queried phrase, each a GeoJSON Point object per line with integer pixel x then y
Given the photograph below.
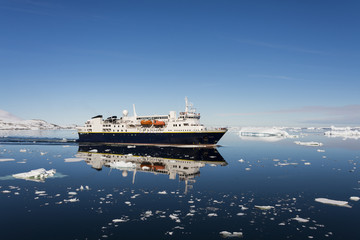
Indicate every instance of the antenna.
{"type": "Point", "coordinates": [186, 105]}
{"type": "Point", "coordinates": [134, 110]}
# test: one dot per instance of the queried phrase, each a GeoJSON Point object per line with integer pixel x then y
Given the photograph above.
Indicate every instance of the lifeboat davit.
{"type": "Point", "coordinates": [159, 123]}
{"type": "Point", "coordinates": [146, 122]}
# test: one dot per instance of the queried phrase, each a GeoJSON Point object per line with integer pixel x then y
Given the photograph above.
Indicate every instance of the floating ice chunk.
{"type": "Point", "coordinates": [226, 234]}
{"type": "Point", "coordinates": [308, 143]}
{"type": "Point", "coordinates": [72, 200]}
{"type": "Point", "coordinates": [36, 175]}
{"type": "Point", "coordinates": [93, 151]}
{"type": "Point", "coordinates": [72, 193]}
{"type": "Point", "coordinates": [247, 169]}
{"type": "Point", "coordinates": [173, 216]}
{"type": "Point", "coordinates": [163, 192]}
{"type": "Point", "coordinates": [264, 207]}
{"type": "Point", "coordinates": [301, 220]}
{"type": "Point", "coordinates": [120, 220]}
{"type": "Point", "coordinates": [6, 191]}
{"type": "Point", "coordinates": [40, 192]}
{"type": "Point", "coordinates": [241, 160]}
{"type": "Point", "coordinates": [307, 163]}
{"type": "Point", "coordinates": [240, 214]}
{"type": "Point", "coordinates": [6, 159]}
{"type": "Point", "coordinates": [43, 153]}
{"type": "Point", "coordinates": [332, 202]}
{"type": "Point", "coordinates": [212, 215]}
{"type": "Point", "coordinates": [354, 199]}
{"type": "Point", "coordinates": [22, 150]}
{"type": "Point", "coordinates": [320, 150]}
{"type": "Point", "coordinates": [74, 159]}
{"type": "Point", "coordinates": [87, 188]}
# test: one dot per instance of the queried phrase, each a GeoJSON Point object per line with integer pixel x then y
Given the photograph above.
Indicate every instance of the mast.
{"type": "Point", "coordinates": [186, 105]}
{"type": "Point", "coordinates": [134, 110]}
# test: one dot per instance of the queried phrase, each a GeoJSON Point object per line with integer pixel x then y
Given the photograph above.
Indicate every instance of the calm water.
{"type": "Point", "coordinates": [178, 193]}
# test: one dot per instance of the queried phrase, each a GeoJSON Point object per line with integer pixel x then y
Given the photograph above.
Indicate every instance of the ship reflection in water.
{"type": "Point", "coordinates": [172, 161]}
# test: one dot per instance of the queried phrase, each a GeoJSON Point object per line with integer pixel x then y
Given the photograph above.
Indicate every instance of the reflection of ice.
{"type": "Point", "coordinates": [37, 175]}
{"type": "Point", "coordinates": [264, 134]}
{"type": "Point", "coordinates": [346, 132]}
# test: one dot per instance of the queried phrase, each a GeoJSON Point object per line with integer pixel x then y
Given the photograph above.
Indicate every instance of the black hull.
{"type": "Point", "coordinates": [193, 138]}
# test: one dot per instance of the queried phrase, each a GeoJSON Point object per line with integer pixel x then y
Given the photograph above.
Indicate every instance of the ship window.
{"type": "Point", "coordinates": [186, 124]}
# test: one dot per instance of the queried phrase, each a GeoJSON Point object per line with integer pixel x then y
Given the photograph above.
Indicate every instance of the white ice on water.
{"type": "Point", "coordinates": [6, 159]}
{"type": "Point", "coordinates": [264, 207]}
{"type": "Point", "coordinates": [37, 174]}
{"type": "Point", "coordinates": [227, 234]}
{"type": "Point", "coordinates": [311, 144]}
{"type": "Point", "coordinates": [354, 199]}
{"type": "Point", "coordinates": [333, 202]}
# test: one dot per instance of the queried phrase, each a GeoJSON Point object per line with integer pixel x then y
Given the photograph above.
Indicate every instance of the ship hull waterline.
{"type": "Point", "coordinates": [138, 138]}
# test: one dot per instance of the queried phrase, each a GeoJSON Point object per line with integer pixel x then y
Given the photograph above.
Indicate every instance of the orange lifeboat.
{"type": "Point", "coordinates": [159, 123]}
{"type": "Point", "coordinates": [146, 122]}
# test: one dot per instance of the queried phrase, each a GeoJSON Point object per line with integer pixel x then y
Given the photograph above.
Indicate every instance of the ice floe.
{"type": "Point", "coordinates": [162, 192]}
{"type": "Point", "coordinates": [345, 133]}
{"type": "Point", "coordinates": [354, 199]}
{"type": "Point", "coordinates": [226, 234]}
{"type": "Point", "coordinates": [333, 202]}
{"type": "Point", "coordinates": [36, 175]}
{"type": "Point", "coordinates": [6, 159]}
{"type": "Point", "coordinates": [301, 220]}
{"type": "Point", "coordinates": [311, 143]}
{"type": "Point", "coordinates": [264, 207]}
{"type": "Point", "coordinates": [264, 134]}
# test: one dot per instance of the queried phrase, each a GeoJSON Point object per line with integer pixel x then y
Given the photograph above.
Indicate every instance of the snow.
{"type": "Point", "coordinates": [332, 202]}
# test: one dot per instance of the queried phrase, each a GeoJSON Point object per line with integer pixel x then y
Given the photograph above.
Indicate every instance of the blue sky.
{"type": "Point", "coordinates": [242, 63]}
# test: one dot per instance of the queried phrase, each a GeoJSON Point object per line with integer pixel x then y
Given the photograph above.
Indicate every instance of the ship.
{"type": "Point", "coordinates": [170, 129]}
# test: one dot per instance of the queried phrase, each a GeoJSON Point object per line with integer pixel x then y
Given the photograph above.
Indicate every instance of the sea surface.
{"type": "Point", "coordinates": [256, 188]}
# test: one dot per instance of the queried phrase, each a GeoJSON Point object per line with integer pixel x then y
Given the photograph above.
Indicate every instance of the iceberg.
{"type": "Point", "coordinates": [36, 175]}
{"type": "Point", "coordinates": [264, 134]}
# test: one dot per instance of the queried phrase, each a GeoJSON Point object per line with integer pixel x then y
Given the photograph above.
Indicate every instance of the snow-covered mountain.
{"type": "Point", "coordinates": [9, 121]}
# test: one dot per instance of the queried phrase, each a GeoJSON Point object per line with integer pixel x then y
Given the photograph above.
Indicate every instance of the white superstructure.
{"type": "Point", "coordinates": [188, 121]}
